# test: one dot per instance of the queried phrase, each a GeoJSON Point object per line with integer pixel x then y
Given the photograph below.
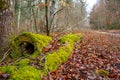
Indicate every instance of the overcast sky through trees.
{"type": "Point", "coordinates": [90, 4]}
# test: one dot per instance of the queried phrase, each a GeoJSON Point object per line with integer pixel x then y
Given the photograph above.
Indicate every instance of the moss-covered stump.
{"type": "Point", "coordinates": [28, 44]}
{"type": "Point", "coordinates": [32, 68]}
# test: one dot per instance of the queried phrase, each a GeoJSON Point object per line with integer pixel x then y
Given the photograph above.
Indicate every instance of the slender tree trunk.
{"type": "Point", "coordinates": [19, 16]}
{"type": "Point", "coordinates": [46, 18]}
{"type": "Point", "coordinates": [35, 21]}
{"type": "Point", "coordinates": [30, 27]}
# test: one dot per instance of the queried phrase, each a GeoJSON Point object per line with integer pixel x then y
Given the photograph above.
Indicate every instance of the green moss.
{"type": "Point", "coordinates": [26, 73]}
{"type": "Point", "coordinates": [71, 37]}
{"type": "Point", "coordinates": [102, 72]}
{"type": "Point", "coordinates": [7, 69]}
{"type": "Point", "coordinates": [35, 54]}
{"type": "Point", "coordinates": [23, 62]}
{"type": "Point", "coordinates": [63, 54]}
{"type": "Point", "coordinates": [54, 59]}
{"type": "Point", "coordinates": [39, 42]}
{"type": "Point", "coordinates": [21, 73]}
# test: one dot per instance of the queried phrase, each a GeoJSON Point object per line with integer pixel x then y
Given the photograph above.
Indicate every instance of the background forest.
{"type": "Point", "coordinates": [40, 16]}
{"type": "Point", "coordinates": [105, 15]}
{"type": "Point", "coordinates": [47, 16]}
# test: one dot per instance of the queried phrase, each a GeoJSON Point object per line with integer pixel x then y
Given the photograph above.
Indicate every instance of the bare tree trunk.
{"type": "Point", "coordinates": [35, 21]}
{"type": "Point", "coordinates": [46, 18]}
{"type": "Point", "coordinates": [19, 16]}
{"type": "Point", "coordinates": [5, 24]}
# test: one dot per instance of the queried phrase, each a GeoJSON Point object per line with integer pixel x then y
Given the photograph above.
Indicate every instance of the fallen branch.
{"type": "Point", "coordinates": [5, 55]}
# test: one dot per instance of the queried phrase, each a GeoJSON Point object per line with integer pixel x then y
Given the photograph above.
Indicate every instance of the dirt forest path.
{"type": "Point", "coordinates": [99, 51]}
{"type": "Point", "coordinates": [114, 33]}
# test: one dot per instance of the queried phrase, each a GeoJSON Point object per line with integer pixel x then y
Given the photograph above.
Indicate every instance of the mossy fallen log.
{"type": "Point", "coordinates": [28, 44]}
{"type": "Point", "coordinates": [54, 59]}
{"type": "Point", "coordinates": [33, 68]}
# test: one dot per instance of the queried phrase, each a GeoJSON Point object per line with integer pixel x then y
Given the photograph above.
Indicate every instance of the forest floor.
{"type": "Point", "coordinates": [92, 59]}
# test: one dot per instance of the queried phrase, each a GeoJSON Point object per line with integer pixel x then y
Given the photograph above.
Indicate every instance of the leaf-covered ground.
{"type": "Point", "coordinates": [97, 57]}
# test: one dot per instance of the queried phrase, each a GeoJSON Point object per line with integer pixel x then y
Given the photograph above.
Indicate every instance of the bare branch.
{"type": "Point", "coordinates": [53, 16]}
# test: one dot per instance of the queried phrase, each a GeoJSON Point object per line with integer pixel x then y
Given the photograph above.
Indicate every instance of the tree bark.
{"type": "Point", "coordinates": [5, 24]}
{"type": "Point", "coordinates": [19, 16]}
{"type": "Point", "coordinates": [35, 21]}
{"type": "Point", "coordinates": [46, 18]}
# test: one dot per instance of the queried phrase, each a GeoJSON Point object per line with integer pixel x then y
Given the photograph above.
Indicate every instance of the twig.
{"type": "Point", "coordinates": [50, 78]}
{"type": "Point", "coordinates": [5, 55]}
{"type": "Point", "coordinates": [42, 58]}
{"type": "Point", "coordinates": [17, 60]}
